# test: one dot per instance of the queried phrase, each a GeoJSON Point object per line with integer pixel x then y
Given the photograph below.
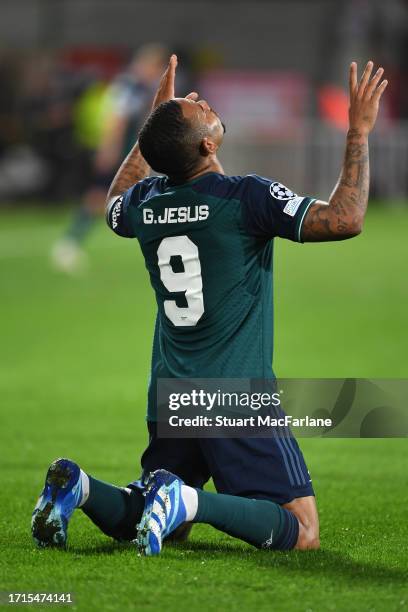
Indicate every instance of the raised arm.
{"type": "Point", "coordinates": [343, 215]}
{"type": "Point", "coordinates": [132, 170]}
{"type": "Point", "coordinates": [135, 168]}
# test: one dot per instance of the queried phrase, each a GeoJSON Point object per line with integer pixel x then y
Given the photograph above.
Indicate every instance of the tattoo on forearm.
{"type": "Point", "coordinates": [348, 202]}
{"type": "Point", "coordinates": [133, 169]}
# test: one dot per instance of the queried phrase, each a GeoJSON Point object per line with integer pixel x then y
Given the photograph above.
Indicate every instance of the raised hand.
{"type": "Point", "coordinates": [344, 216]}
{"type": "Point", "coordinates": [365, 97]}
{"type": "Point", "coordinates": [165, 91]}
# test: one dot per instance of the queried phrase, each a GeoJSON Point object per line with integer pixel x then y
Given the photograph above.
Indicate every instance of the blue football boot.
{"type": "Point", "coordinates": [164, 511]}
{"type": "Point", "coordinates": [61, 495]}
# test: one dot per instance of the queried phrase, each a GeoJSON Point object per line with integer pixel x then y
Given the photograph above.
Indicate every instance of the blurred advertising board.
{"type": "Point", "coordinates": [257, 104]}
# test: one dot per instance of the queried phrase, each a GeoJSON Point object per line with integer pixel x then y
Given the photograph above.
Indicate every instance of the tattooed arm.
{"type": "Point", "coordinates": [342, 217]}
{"type": "Point", "coordinates": [132, 170]}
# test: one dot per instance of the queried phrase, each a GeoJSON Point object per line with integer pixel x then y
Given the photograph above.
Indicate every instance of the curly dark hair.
{"type": "Point", "coordinates": [169, 142]}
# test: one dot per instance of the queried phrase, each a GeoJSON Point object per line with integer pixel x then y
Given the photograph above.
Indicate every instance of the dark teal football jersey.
{"type": "Point", "coordinates": [208, 246]}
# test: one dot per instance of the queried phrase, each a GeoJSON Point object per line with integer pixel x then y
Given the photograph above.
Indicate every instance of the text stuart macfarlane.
{"type": "Point", "coordinates": [246, 422]}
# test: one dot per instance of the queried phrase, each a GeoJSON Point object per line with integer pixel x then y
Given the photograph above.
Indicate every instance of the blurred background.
{"type": "Point", "coordinates": [276, 71]}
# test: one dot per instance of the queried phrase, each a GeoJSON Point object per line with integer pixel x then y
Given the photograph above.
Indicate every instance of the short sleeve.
{"type": "Point", "coordinates": [270, 209]}
{"type": "Point", "coordinates": [117, 214]}
{"type": "Point", "coordinates": [121, 209]}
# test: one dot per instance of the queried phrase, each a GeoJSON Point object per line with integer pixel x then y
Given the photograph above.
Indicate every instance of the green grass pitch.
{"type": "Point", "coordinates": [75, 358]}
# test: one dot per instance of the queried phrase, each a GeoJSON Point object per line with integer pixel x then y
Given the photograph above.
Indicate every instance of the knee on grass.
{"type": "Point", "coordinates": [308, 538]}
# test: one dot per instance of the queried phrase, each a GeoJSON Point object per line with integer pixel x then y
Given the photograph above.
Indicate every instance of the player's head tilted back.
{"type": "Point", "coordinates": [181, 138]}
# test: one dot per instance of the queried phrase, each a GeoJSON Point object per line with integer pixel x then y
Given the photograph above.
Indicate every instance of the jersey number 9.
{"type": "Point", "coordinates": [188, 282]}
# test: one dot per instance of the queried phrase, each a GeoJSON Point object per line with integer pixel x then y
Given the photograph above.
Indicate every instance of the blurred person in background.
{"type": "Point", "coordinates": [121, 114]}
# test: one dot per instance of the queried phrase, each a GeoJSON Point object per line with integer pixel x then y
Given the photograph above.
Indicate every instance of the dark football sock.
{"type": "Point", "coordinates": [81, 225]}
{"type": "Point", "coordinates": [259, 522]}
{"type": "Point", "coordinates": [114, 510]}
